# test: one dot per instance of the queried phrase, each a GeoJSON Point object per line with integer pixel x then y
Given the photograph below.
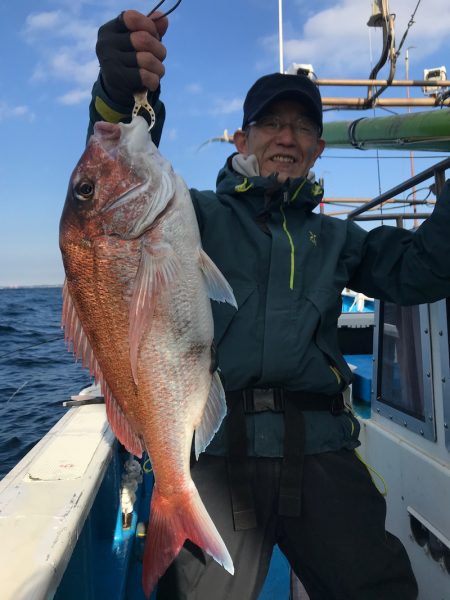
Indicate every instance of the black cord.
{"type": "Point", "coordinates": [166, 13]}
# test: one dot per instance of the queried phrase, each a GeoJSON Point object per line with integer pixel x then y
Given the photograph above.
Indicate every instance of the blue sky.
{"type": "Point", "coordinates": [216, 49]}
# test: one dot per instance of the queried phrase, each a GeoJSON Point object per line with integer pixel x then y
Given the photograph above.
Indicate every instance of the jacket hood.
{"type": "Point", "coordinates": [299, 193]}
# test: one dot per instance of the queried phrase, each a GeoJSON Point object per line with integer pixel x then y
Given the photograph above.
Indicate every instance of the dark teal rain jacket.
{"type": "Point", "coordinates": [287, 266]}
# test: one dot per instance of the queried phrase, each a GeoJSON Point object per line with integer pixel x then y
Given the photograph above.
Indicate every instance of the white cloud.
{"type": "Point", "coordinates": [65, 67]}
{"type": "Point", "coordinates": [194, 88]}
{"type": "Point", "coordinates": [64, 45]}
{"type": "Point", "coordinates": [38, 22]}
{"type": "Point", "coordinates": [337, 41]}
{"type": "Point", "coordinates": [172, 134]}
{"type": "Point", "coordinates": [8, 112]}
{"type": "Point", "coordinates": [74, 97]}
{"type": "Point", "coordinates": [226, 107]}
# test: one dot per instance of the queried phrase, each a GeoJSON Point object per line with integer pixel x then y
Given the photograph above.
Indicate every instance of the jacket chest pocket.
{"type": "Point", "coordinates": [224, 314]}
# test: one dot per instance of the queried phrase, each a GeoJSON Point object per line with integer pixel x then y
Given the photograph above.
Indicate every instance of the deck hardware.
{"type": "Point", "coordinates": [419, 532]}
{"type": "Point", "coordinates": [141, 530]}
{"type": "Point", "coordinates": [127, 520]}
{"type": "Point", "coordinates": [437, 548]}
{"type": "Point", "coordinates": [447, 562]}
{"type": "Point", "coordinates": [435, 544]}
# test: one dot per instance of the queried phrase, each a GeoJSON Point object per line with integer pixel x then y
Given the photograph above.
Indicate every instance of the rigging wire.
{"type": "Point", "coordinates": [8, 354]}
{"type": "Point", "coordinates": [374, 112]}
{"type": "Point", "coordinates": [410, 24]}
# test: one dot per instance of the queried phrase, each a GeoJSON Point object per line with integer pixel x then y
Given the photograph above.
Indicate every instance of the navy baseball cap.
{"type": "Point", "coordinates": [279, 86]}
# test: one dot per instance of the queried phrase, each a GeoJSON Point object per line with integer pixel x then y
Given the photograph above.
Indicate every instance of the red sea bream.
{"type": "Point", "coordinates": [137, 310]}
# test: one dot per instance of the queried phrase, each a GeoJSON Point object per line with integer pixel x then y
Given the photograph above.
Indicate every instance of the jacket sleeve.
{"type": "Point", "coordinates": [408, 267]}
{"type": "Point", "coordinates": [102, 108]}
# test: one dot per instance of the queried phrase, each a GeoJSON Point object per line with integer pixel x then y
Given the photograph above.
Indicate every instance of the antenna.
{"type": "Point", "coordinates": [280, 33]}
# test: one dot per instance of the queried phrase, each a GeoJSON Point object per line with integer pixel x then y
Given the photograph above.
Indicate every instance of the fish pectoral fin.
{"type": "Point", "coordinates": [158, 267]}
{"type": "Point", "coordinates": [215, 411]}
{"type": "Point", "coordinates": [218, 287]}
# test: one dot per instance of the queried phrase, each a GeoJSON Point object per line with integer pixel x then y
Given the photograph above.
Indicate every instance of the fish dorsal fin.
{"type": "Point", "coordinates": [215, 411]}
{"type": "Point", "coordinates": [76, 338]}
{"type": "Point", "coordinates": [218, 287]}
{"type": "Point", "coordinates": [158, 267]}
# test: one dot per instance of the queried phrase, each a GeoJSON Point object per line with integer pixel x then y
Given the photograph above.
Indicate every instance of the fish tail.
{"type": "Point", "coordinates": [172, 521]}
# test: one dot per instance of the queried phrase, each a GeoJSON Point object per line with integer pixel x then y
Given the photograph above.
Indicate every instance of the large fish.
{"type": "Point", "coordinates": [137, 310]}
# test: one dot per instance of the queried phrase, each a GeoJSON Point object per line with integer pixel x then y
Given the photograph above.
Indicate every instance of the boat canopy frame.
{"type": "Point", "coordinates": [437, 171]}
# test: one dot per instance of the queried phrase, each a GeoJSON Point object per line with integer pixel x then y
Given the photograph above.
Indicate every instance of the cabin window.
{"type": "Point", "coordinates": [403, 367]}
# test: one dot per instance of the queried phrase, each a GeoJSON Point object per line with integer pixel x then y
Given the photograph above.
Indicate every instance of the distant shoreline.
{"type": "Point", "coordinates": [39, 285]}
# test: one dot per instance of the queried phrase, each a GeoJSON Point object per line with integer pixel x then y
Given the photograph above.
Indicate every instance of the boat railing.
{"type": "Point", "coordinates": [437, 171]}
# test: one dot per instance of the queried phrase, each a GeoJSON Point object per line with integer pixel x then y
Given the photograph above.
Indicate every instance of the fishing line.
{"type": "Point", "coordinates": [8, 354]}
{"type": "Point", "coordinates": [5, 405]}
{"type": "Point", "coordinates": [16, 392]}
{"type": "Point", "coordinates": [166, 13]}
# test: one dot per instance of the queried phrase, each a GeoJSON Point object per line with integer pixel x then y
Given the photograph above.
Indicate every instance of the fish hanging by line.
{"type": "Point", "coordinates": [136, 309]}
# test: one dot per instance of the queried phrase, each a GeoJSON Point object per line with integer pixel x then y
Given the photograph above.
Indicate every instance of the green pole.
{"type": "Point", "coordinates": [424, 131]}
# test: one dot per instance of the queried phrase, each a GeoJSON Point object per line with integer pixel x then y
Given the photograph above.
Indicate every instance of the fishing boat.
{"type": "Point", "coordinates": [73, 511]}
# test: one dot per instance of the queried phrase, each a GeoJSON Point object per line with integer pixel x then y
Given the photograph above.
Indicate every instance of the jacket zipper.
{"type": "Point", "coordinates": [291, 243]}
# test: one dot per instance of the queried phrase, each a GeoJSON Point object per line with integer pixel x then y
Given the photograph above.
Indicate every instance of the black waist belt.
{"type": "Point", "coordinates": [274, 399]}
{"type": "Point", "coordinates": [292, 404]}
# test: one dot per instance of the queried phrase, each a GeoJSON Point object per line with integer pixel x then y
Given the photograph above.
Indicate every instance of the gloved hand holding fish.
{"type": "Point", "coordinates": [137, 311]}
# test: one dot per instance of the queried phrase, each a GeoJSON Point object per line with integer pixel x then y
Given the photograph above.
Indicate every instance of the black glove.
{"type": "Point", "coordinates": [118, 62]}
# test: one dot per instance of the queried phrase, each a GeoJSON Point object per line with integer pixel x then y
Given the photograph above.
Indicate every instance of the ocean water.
{"type": "Point", "coordinates": [37, 373]}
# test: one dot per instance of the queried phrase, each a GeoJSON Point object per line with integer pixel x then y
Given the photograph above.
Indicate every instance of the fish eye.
{"type": "Point", "coordinates": [84, 190]}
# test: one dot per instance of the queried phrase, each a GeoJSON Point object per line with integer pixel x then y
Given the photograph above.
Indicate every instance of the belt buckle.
{"type": "Point", "coordinates": [263, 399]}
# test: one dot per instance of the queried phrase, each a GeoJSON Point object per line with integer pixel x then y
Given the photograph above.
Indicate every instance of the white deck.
{"type": "Point", "coordinates": [45, 499]}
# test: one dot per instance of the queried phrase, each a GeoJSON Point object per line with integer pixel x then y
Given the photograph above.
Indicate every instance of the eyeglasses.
{"type": "Point", "coordinates": [302, 126]}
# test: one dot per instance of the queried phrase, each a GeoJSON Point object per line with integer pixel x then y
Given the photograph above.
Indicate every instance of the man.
{"type": "Point", "coordinates": [282, 468]}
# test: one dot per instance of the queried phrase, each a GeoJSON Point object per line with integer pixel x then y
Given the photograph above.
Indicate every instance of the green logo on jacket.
{"type": "Point", "coordinates": [313, 238]}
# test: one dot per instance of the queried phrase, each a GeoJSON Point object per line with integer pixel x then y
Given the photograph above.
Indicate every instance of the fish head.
{"type": "Point", "coordinates": [120, 185]}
